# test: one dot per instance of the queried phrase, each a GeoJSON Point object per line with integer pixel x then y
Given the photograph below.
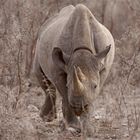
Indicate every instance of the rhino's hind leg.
{"type": "Point", "coordinates": [48, 111]}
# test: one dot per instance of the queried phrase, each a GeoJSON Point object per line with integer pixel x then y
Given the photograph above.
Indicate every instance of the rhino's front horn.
{"type": "Point", "coordinates": [81, 75]}
{"type": "Point", "coordinates": [78, 85]}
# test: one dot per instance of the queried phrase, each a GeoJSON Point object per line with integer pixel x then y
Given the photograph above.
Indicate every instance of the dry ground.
{"type": "Point", "coordinates": [111, 118]}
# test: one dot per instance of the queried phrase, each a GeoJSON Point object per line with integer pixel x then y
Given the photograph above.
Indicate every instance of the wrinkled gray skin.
{"type": "Point", "coordinates": [74, 54]}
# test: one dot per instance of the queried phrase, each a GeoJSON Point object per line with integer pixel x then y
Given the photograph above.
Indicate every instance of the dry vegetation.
{"type": "Point", "coordinates": [116, 112]}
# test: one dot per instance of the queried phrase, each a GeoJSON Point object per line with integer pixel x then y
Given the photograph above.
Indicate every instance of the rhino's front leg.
{"type": "Point", "coordinates": [86, 125]}
{"type": "Point", "coordinates": [71, 120]}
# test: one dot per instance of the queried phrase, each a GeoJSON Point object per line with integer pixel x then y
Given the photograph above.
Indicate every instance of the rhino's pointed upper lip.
{"type": "Point", "coordinates": [78, 110]}
{"type": "Point", "coordinates": [79, 106]}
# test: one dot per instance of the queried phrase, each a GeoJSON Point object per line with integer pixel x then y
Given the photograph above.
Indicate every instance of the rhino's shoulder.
{"type": "Point", "coordinates": [46, 24]}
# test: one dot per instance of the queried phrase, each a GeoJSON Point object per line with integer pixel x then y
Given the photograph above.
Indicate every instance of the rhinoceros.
{"type": "Point", "coordinates": [74, 54]}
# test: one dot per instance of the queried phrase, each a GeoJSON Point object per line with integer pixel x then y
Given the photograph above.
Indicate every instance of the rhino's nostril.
{"type": "Point", "coordinates": [86, 106]}
{"type": "Point", "coordinates": [79, 106]}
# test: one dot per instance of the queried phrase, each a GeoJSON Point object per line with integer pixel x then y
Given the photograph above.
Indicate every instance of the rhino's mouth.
{"type": "Point", "coordinates": [79, 110]}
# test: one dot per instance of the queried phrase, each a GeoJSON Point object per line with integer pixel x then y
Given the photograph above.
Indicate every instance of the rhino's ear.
{"type": "Point", "coordinates": [103, 54]}
{"type": "Point", "coordinates": [60, 58]}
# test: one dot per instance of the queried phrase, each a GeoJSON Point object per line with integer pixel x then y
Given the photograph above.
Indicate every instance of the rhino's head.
{"type": "Point", "coordinates": [83, 76]}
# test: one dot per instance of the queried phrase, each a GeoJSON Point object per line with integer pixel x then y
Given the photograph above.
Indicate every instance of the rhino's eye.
{"type": "Point", "coordinates": [95, 86]}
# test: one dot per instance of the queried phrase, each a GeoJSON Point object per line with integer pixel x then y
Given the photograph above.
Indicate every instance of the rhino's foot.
{"type": "Point", "coordinates": [70, 130]}
{"type": "Point", "coordinates": [74, 131]}
{"type": "Point", "coordinates": [73, 128]}
{"type": "Point", "coordinates": [48, 117]}
{"type": "Point", "coordinates": [87, 131]}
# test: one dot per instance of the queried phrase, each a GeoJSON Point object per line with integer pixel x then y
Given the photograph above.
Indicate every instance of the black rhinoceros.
{"type": "Point", "coordinates": [74, 54]}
